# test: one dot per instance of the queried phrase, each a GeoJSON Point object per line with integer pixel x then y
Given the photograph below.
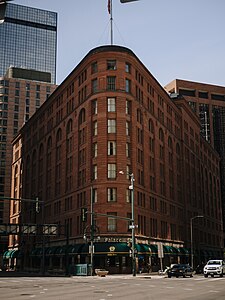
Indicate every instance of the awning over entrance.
{"type": "Point", "coordinates": [109, 249]}
{"type": "Point", "coordinates": [183, 251]}
{"type": "Point", "coordinates": [51, 251]}
{"type": "Point", "coordinates": [143, 249]}
{"type": "Point", "coordinates": [154, 249]}
{"type": "Point", "coordinates": [74, 249]}
{"type": "Point", "coordinates": [106, 249]}
{"type": "Point", "coordinates": [12, 253]}
{"type": "Point", "coordinates": [167, 249]}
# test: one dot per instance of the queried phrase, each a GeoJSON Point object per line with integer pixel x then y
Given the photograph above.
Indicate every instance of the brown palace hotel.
{"type": "Point", "coordinates": [111, 115]}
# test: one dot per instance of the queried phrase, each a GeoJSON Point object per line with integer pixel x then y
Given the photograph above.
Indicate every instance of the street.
{"type": "Point", "coordinates": [112, 287]}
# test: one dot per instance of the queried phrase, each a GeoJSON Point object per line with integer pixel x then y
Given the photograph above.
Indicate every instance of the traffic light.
{"type": "Point", "coordinates": [84, 214]}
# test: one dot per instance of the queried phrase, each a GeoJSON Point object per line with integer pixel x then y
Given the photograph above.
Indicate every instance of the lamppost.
{"type": "Point", "coordinates": [192, 254]}
{"type": "Point", "coordinates": [132, 226]}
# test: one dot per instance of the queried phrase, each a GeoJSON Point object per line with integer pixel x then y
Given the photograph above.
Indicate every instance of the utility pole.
{"type": "Point", "coordinates": [131, 187]}
{"type": "Point", "coordinates": [92, 234]}
{"type": "Point", "coordinates": [132, 226]}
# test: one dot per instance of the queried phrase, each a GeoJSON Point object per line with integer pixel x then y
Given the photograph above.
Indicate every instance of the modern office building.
{"type": "Point", "coordinates": [108, 119]}
{"type": "Point", "coordinates": [28, 39]}
{"type": "Point", "coordinates": [208, 102]}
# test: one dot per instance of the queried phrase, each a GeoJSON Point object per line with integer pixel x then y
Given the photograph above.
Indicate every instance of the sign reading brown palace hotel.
{"type": "Point", "coordinates": [110, 115]}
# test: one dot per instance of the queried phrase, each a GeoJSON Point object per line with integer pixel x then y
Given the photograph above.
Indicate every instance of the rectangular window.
{"type": "Point", "coordinates": [128, 150]}
{"type": "Point", "coordinates": [94, 67]}
{"type": "Point", "coordinates": [128, 86]}
{"type": "Point", "coordinates": [128, 107]}
{"type": "Point", "coordinates": [111, 104]}
{"type": "Point", "coordinates": [94, 196]}
{"type": "Point", "coordinates": [94, 107]}
{"type": "Point", "coordinates": [127, 128]}
{"type": "Point", "coordinates": [111, 171]}
{"type": "Point", "coordinates": [127, 68]}
{"type": "Point", "coordinates": [111, 147]}
{"type": "Point", "coordinates": [111, 64]}
{"type": "Point", "coordinates": [111, 194]}
{"type": "Point", "coordinates": [128, 195]}
{"type": "Point", "coordinates": [95, 127]}
{"type": "Point", "coordinates": [94, 84]}
{"type": "Point", "coordinates": [111, 126]}
{"type": "Point", "coordinates": [203, 95]}
{"type": "Point", "coordinates": [95, 172]}
{"type": "Point", "coordinates": [111, 83]}
{"type": "Point", "coordinates": [112, 223]}
{"type": "Point", "coordinates": [95, 150]}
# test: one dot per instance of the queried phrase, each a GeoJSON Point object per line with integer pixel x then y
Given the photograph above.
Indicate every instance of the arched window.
{"type": "Point", "coordinates": [82, 116]}
{"type": "Point", "coordinates": [170, 143]}
{"type": "Point", "coordinates": [161, 135]}
{"type": "Point", "coordinates": [58, 135]}
{"type": "Point", "coordinates": [69, 127]}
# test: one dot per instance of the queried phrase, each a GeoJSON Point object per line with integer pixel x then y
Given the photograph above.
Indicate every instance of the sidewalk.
{"type": "Point", "coordinates": [27, 274]}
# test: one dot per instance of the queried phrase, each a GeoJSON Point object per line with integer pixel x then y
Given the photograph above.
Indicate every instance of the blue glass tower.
{"type": "Point", "coordinates": [28, 39]}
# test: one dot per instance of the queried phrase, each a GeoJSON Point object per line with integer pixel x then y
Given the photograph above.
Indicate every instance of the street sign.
{"type": "Point", "coordinates": [160, 250]}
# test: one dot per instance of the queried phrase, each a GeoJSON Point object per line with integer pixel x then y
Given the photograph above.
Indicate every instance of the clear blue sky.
{"type": "Point", "coordinates": [173, 38]}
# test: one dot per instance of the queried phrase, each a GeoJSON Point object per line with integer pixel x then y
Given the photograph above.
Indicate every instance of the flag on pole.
{"type": "Point", "coordinates": [109, 6]}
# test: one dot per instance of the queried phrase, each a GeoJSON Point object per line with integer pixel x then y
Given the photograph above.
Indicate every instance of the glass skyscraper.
{"type": "Point", "coordinates": [28, 38]}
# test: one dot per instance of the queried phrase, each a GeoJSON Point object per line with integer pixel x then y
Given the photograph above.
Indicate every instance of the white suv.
{"type": "Point", "coordinates": [214, 267]}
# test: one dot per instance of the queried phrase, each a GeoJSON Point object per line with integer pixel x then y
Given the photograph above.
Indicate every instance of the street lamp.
{"type": "Point", "coordinates": [192, 254]}
{"type": "Point", "coordinates": [132, 226]}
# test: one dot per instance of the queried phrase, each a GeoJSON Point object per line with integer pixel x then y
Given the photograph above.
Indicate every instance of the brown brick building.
{"type": "Point", "coordinates": [22, 92]}
{"type": "Point", "coordinates": [208, 102]}
{"type": "Point", "coordinates": [111, 115]}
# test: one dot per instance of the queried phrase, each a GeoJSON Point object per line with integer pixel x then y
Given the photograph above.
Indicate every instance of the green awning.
{"type": "Point", "coordinates": [167, 249]}
{"type": "Point", "coordinates": [106, 249]}
{"type": "Point", "coordinates": [15, 253]}
{"type": "Point", "coordinates": [175, 250]}
{"type": "Point", "coordinates": [6, 254]}
{"type": "Point", "coordinates": [183, 251]}
{"type": "Point", "coordinates": [143, 249]}
{"type": "Point", "coordinates": [51, 251]}
{"type": "Point", "coordinates": [60, 251]}
{"type": "Point", "coordinates": [12, 253]}
{"type": "Point", "coordinates": [74, 249]}
{"type": "Point", "coordinates": [154, 249]}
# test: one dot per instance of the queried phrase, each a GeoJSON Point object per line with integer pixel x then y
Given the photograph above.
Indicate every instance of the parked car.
{"type": "Point", "coordinates": [180, 270]}
{"type": "Point", "coordinates": [214, 267]}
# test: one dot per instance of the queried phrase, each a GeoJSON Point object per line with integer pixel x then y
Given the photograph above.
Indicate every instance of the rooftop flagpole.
{"type": "Point", "coordinates": [111, 20]}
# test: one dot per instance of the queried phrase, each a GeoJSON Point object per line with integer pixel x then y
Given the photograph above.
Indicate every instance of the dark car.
{"type": "Point", "coordinates": [180, 270]}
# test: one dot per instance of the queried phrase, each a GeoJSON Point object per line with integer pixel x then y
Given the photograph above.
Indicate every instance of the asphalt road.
{"type": "Point", "coordinates": [112, 287]}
